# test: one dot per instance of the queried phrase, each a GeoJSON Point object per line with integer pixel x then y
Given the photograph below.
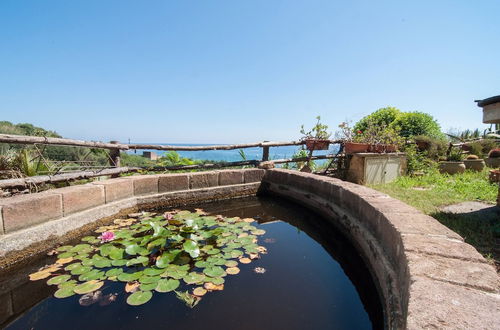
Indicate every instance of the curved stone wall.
{"type": "Point", "coordinates": [428, 277]}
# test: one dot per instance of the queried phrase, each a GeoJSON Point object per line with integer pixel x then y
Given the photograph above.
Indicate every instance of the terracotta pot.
{"type": "Point", "coordinates": [317, 144]}
{"type": "Point", "coordinates": [492, 162]}
{"type": "Point", "coordinates": [474, 164]}
{"type": "Point", "coordinates": [451, 167]}
{"type": "Point", "coordinates": [495, 176]}
{"type": "Point", "coordinates": [352, 147]}
{"type": "Point", "coordinates": [466, 147]}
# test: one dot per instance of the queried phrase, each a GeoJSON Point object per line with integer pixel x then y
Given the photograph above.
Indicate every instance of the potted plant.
{"type": "Point", "coordinates": [493, 159]}
{"type": "Point", "coordinates": [380, 138]}
{"type": "Point", "coordinates": [453, 163]}
{"type": "Point", "coordinates": [353, 143]}
{"type": "Point", "coordinates": [317, 138]}
{"type": "Point", "coordinates": [474, 163]}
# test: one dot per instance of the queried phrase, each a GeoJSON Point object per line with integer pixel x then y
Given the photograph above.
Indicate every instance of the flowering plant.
{"type": "Point", "coordinates": [107, 236]}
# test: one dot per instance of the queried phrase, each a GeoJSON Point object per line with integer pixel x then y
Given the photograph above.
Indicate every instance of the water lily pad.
{"type": "Point", "coordinates": [245, 260]}
{"type": "Point", "coordinates": [199, 291]}
{"type": "Point", "coordinates": [39, 275]}
{"type": "Point", "coordinates": [129, 277]}
{"type": "Point", "coordinates": [232, 270]}
{"type": "Point", "coordinates": [231, 263]}
{"type": "Point", "coordinates": [215, 271]}
{"type": "Point", "coordinates": [132, 249]}
{"type": "Point", "coordinates": [102, 263]}
{"type": "Point", "coordinates": [149, 279]}
{"type": "Point", "coordinates": [193, 278]}
{"type": "Point", "coordinates": [114, 272]}
{"type": "Point", "coordinates": [87, 287]}
{"type": "Point", "coordinates": [148, 286]}
{"type": "Point", "coordinates": [215, 280]}
{"type": "Point", "coordinates": [192, 248]}
{"type": "Point", "coordinates": [132, 287]}
{"type": "Point", "coordinates": [167, 285]}
{"type": "Point", "coordinates": [65, 255]}
{"type": "Point", "coordinates": [64, 248]}
{"type": "Point", "coordinates": [58, 279]}
{"type": "Point", "coordinates": [72, 266]}
{"type": "Point", "coordinates": [258, 232]}
{"type": "Point", "coordinates": [153, 271]}
{"type": "Point", "coordinates": [64, 292]}
{"type": "Point", "coordinates": [213, 251]}
{"type": "Point", "coordinates": [63, 261]}
{"type": "Point", "coordinates": [216, 261]}
{"type": "Point", "coordinates": [79, 248]}
{"type": "Point", "coordinates": [139, 298]}
{"type": "Point", "coordinates": [213, 287]}
{"type": "Point", "coordinates": [119, 263]}
{"type": "Point", "coordinates": [80, 270]}
{"type": "Point", "coordinates": [116, 253]}
{"type": "Point", "coordinates": [94, 274]}
{"type": "Point", "coordinates": [139, 260]}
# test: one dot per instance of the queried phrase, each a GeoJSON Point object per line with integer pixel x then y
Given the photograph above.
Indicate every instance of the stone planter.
{"type": "Point", "coordinates": [492, 162]}
{"type": "Point", "coordinates": [317, 144]}
{"type": "Point", "coordinates": [474, 164]}
{"type": "Point", "coordinates": [381, 148]}
{"type": "Point", "coordinates": [451, 167]}
{"type": "Point", "coordinates": [352, 147]}
{"type": "Point", "coordinates": [494, 176]}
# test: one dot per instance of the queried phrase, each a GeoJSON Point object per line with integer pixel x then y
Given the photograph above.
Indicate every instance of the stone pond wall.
{"type": "Point", "coordinates": [426, 275]}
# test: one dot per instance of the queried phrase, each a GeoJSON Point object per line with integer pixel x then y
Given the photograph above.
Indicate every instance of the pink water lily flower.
{"type": "Point", "coordinates": [107, 236]}
{"type": "Point", "coordinates": [168, 216]}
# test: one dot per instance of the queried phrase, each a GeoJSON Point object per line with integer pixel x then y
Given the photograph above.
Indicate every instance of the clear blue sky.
{"type": "Point", "coordinates": [241, 71]}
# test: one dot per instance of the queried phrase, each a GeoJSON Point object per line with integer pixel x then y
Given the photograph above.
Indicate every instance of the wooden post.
{"type": "Point", "coordinates": [265, 153]}
{"type": "Point", "coordinates": [114, 158]}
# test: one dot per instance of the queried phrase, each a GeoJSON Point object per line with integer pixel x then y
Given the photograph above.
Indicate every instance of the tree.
{"type": "Point", "coordinates": [410, 124]}
{"type": "Point", "coordinates": [381, 117]}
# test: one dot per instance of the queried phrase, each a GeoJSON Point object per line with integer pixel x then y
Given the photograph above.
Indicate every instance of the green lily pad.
{"type": "Point", "coordinates": [87, 287]}
{"type": "Point", "coordinates": [213, 251]}
{"type": "Point", "coordinates": [192, 248]}
{"type": "Point", "coordinates": [139, 260]}
{"type": "Point", "coordinates": [65, 255]}
{"type": "Point", "coordinates": [215, 271]}
{"type": "Point", "coordinates": [80, 270]}
{"type": "Point", "coordinates": [231, 263]}
{"type": "Point", "coordinates": [133, 249]}
{"type": "Point", "coordinates": [215, 280]}
{"type": "Point", "coordinates": [64, 248]}
{"type": "Point", "coordinates": [153, 271]}
{"type": "Point", "coordinates": [94, 274]}
{"type": "Point", "coordinates": [202, 264]}
{"type": "Point", "coordinates": [148, 286]}
{"type": "Point", "coordinates": [58, 279]}
{"type": "Point", "coordinates": [116, 253]}
{"type": "Point", "coordinates": [64, 292]}
{"type": "Point", "coordinates": [102, 263]}
{"type": "Point", "coordinates": [119, 263]}
{"type": "Point", "coordinates": [193, 278]}
{"type": "Point", "coordinates": [149, 279]}
{"type": "Point", "coordinates": [72, 266]}
{"type": "Point", "coordinates": [129, 277]}
{"type": "Point", "coordinates": [167, 285]}
{"type": "Point", "coordinates": [139, 298]}
{"type": "Point", "coordinates": [114, 272]}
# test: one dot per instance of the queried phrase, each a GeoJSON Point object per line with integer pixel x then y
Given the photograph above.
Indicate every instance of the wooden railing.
{"type": "Point", "coordinates": [115, 148]}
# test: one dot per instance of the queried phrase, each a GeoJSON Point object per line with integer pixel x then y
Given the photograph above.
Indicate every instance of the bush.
{"type": "Point", "coordinates": [482, 147]}
{"type": "Point", "coordinates": [415, 123]}
{"type": "Point", "coordinates": [418, 161]}
{"type": "Point", "coordinates": [433, 148]}
{"type": "Point", "coordinates": [381, 117]}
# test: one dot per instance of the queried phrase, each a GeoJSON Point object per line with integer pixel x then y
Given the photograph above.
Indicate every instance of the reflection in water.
{"type": "Point", "coordinates": [312, 279]}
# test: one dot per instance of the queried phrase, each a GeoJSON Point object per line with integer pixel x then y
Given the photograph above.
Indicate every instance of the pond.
{"type": "Point", "coordinates": [310, 278]}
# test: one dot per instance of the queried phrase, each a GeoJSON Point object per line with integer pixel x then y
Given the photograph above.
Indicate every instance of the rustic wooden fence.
{"type": "Point", "coordinates": [115, 148]}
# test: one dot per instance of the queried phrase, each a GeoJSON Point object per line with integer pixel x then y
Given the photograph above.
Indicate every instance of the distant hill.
{"type": "Point", "coordinates": [6, 127]}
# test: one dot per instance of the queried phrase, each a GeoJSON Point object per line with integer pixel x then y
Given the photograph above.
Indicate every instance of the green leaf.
{"type": "Point", "coordinates": [148, 286]}
{"type": "Point", "coordinates": [192, 248]}
{"type": "Point", "coordinates": [119, 263]}
{"type": "Point", "coordinates": [80, 270]}
{"type": "Point", "coordinates": [133, 249]}
{"type": "Point", "coordinates": [139, 298]}
{"type": "Point", "coordinates": [129, 277]}
{"type": "Point", "coordinates": [64, 292]}
{"type": "Point", "coordinates": [167, 285]}
{"type": "Point", "coordinates": [87, 287]}
{"type": "Point", "coordinates": [116, 253]}
{"type": "Point", "coordinates": [114, 272]}
{"type": "Point", "coordinates": [139, 260]}
{"type": "Point", "coordinates": [166, 258]}
{"type": "Point", "coordinates": [102, 263]}
{"type": "Point", "coordinates": [215, 271]}
{"type": "Point", "coordinates": [153, 271]}
{"type": "Point", "coordinates": [149, 279]}
{"type": "Point", "coordinates": [58, 279]}
{"type": "Point", "coordinates": [193, 278]}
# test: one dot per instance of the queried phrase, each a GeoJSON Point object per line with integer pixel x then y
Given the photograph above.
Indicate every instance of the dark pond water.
{"type": "Point", "coordinates": [314, 279]}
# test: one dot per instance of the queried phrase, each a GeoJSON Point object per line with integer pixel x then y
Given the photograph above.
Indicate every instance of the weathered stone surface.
{"type": "Point", "coordinates": [6, 309]}
{"type": "Point", "coordinates": [253, 175]}
{"type": "Point", "coordinates": [144, 184]}
{"type": "Point", "coordinates": [80, 197]}
{"type": "Point", "coordinates": [115, 189]}
{"type": "Point", "coordinates": [418, 223]}
{"type": "Point", "coordinates": [442, 246]}
{"type": "Point", "coordinates": [29, 294]}
{"type": "Point", "coordinates": [460, 272]}
{"type": "Point", "coordinates": [203, 179]}
{"type": "Point", "coordinates": [173, 182]}
{"type": "Point", "coordinates": [228, 177]}
{"type": "Point", "coordinates": [26, 210]}
{"type": "Point", "coordinates": [438, 305]}
{"type": "Point", "coordinates": [1, 222]}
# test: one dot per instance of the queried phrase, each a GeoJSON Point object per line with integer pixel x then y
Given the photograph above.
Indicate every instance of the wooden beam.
{"type": "Point", "coordinates": [302, 159]}
{"type": "Point", "coordinates": [214, 147]}
{"type": "Point", "coordinates": [22, 139]}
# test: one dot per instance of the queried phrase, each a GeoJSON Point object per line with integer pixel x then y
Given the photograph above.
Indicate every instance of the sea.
{"type": "Point", "coordinates": [234, 155]}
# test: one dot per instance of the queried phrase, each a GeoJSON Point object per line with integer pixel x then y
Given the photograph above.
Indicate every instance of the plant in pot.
{"type": "Point", "coordinates": [493, 159]}
{"type": "Point", "coordinates": [453, 163]}
{"type": "Point", "coordinates": [474, 163]}
{"type": "Point", "coordinates": [317, 138]}
{"type": "Point", "coordinates": [380, 138]}
{"type": "Point", "coordinates": [353, 142]}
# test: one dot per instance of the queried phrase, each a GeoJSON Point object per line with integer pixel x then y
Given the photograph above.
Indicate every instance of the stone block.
{"type": "Point", "coordinates": [22, 211]}
{"type": "Point", "coordinates": [173, 182]}
{"type": "Point", "coordinates": [80, 197]}
{"type": "Point", "coordinates": [228, 177]}
{"type": "Point", "coordinates": [2, 231]}
{"type": "Point", "coordinates": [116, 189]}
{"type": "Point", "coordinates": [253, 175]}
{"type": "Point", "coordinates": [144, 184]}
{"type": "Point", "coordinates": [203, 179]}
{"type": "Point", "coordinates": [439, 305]}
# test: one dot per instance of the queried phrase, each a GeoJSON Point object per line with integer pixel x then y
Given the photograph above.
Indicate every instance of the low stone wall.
{"type": "Point", "coordinates": [44, 217]}
{"type": "Point", "coordinates": [426, 275]}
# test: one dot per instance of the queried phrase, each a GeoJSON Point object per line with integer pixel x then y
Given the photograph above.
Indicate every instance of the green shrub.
{"type": "Point", "coordinates": [415, 123]}
{"type": "Point", "coordinates": [482, 147]}
{"type": "Point", "coordinates": [381, 117]}
{"type": "Point", "coordinates": [418, 161]}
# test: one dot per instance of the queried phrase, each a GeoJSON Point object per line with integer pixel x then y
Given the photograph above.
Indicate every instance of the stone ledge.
{"type": "Point", "coordinates": [203, 179]}
{"type": "Point", "coordinates": [422, 253]}
{"type": "Point", "coordinates": [228, 177]}
{"type": "Point", "coordinates": [144, 184]}
{"type": "Point", "coordinates": [172, 182]}
{"type": "Point", "coordinates": [116, 189]}
{"type": "Point", "coordinates": [80, 197]}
